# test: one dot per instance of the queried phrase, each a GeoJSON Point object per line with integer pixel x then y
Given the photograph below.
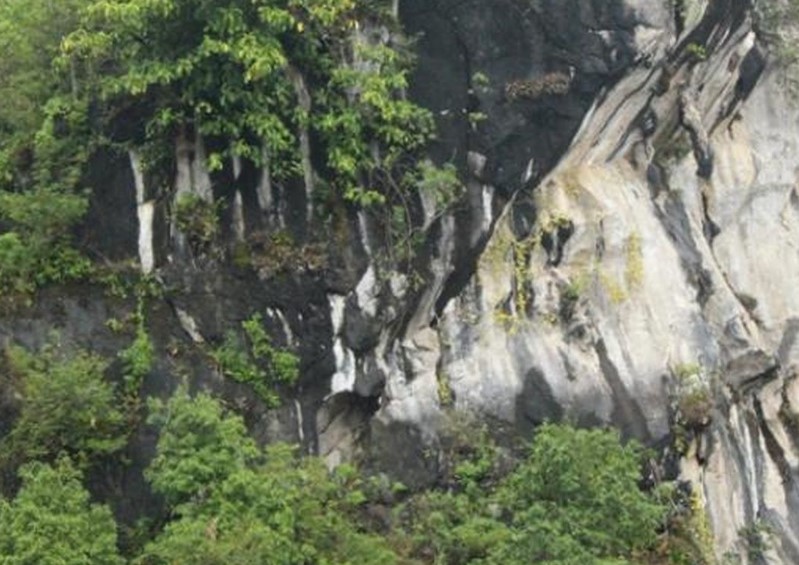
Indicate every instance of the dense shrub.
{"type": "Point", "coordinates": [67, 407]}
{"type": "Point", "coordinates": [52, 522]}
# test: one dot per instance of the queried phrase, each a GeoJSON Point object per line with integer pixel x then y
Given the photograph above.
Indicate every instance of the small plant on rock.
{"type": "Point", "coordinates": [693, 398]}
{"type": "Point", "coordinates": [696, 52]}
{"type": "Point", "coordinates": [259, 363]}
{"type": "Point", "coordinates": [197, 219]}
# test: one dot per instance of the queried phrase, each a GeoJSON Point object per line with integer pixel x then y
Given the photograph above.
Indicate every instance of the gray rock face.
{"type": "Point", "coordinates": [661, 246]}
{"type": "Point", "coordinates": [625, 254]}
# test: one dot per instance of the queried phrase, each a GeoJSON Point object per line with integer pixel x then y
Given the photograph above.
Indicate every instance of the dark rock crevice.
{"type": "Point", "coordinates": [627, 414]}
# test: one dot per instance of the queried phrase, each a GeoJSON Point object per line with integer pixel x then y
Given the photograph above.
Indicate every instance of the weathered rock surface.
{"type": "Point", "coordinates": [625, 254]}
{"type": "Point", "coordinates": [664, 238]}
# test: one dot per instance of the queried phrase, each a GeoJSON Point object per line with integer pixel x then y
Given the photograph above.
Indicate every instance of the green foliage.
{"type": "Point", "coordinates": [199, 446]}
{"type": "Point", "coordinates": [696, 52]}
{"type": "Point", "coordinates": [470, 453]}
{"type": "Point", "coordinates": [16, 265]}
{"type": "Point", "coordinates": [351, 124]}
{"type": "Point", "coordinates": [137, 361]}
{"type": "Point", "coordinates": [450, 528]}
{"type": "Point", "coordinates": [43, 145]}
{"type": "Point", "coordinates": [252, 74]}
{"type": "Point", "coordinates": [197, 219]}
{"type": "Point", "coordinates": [574, 499]}
{"type": "Point", "coordinates": [444, 389]}
{"type": "Point", "coordinates": [36, 251]}
{"type": "Point", "coordinates": [30, 36]}
{"type": "Point", "coordinates": [285, 365]}
{"type": "Point", "coordinates": [246, 365]}
{"type": "Point", "coordinates": [585, 481]}
{"type": "Point", "coordinates": [239, 71]}
{"type": "Point", "coordinates": [51, 521]}
{"type": "Point", "coordinates": [757, 539]}
{"type": "Point", "coordinates": [440, 182]}
{"type": "Point", "coordinates": [687, 536]}
{"type": "Point", "coordinates": [67, 407]}
{"type": "Point", "coordinates": [481, 80]}
{"type": "Point", "coordinates": [439, 187]}
{"type": "Point", "coordinates": [234, 504]}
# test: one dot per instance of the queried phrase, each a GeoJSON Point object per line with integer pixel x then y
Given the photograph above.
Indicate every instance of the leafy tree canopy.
{"type": "Point", "coordinates": [252, 73]}
{"type": "Point", "coordinates": [235, 504]}
{"type": "Point", "coordinates": [52, 522]}
{"type": "Point", "coordinates": [199, 446]}
{"type": "Point", "coordinates": [574, 499]}
{"type": "Point", "coordinates": [67, 407]}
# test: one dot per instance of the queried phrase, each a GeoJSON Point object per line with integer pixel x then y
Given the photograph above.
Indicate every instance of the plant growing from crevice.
{"type": "Point", "coordinates": [198, 220]}
{"type": "Point", "coordinates": [692, 398]}
{"type": "Point", "coordinates": [686, 533]}
{"type": "Point", "coordinates": [446, 395]}
{"type": "Point", "coordinates": [554, 83]}
{"type": "Point", "coordinates": [67, 407]}
{"type": "Point", "coordinates": [634, 262]}
{"type": "Point", "coordinates": [137, 362]}
{"type": "Point", "coordinates": [276, 253]}
{"type": "Point", "coordinates": [438, 188]}
{"type": "Point", "coordinates": [757, 539]}
{"type": "Point", "coordinates": [255, 361]}
{"type": "Point", "coordinates": [569, 297]}
{"type": "Point", "coordinates": [696, 52]}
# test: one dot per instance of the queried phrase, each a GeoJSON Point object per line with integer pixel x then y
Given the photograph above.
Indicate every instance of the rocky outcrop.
{"type": "Point", "coordinates": [659, 248]}
{"type": "Point", "coordinates": [623, 254]}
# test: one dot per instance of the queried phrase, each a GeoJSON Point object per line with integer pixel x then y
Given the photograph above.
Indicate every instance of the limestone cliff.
{"type": "Point", "coordinates": [624, 254]}
{"type": "Point", "coordinates": [645, 281]}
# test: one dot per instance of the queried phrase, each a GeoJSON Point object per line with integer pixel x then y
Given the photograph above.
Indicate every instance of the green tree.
{"type": "Point", "coordinates": [199, 446]}
{"type": "Point", "coordinates": [30, 37]}
{"type": "Point", "coordinates": [234, 504]}
{"type": "Point", "coordinates": [578, 489]}
{"type": "Point", "coordinates": [574, 499]}
{"type": "Point", "coordinates": [43, 146]}
{"type": "Point", "coordinates": [243, 71]}
{"type": "Point", "coordinates": [67, 407]}
{"type": "Point", "coordinates": [51, 521]}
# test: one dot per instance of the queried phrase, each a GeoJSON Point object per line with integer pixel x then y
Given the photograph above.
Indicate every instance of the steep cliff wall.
{"type": "Point", "coordinates": [646, 280]}
{"type": "Point", "coordinates": [624, 254]}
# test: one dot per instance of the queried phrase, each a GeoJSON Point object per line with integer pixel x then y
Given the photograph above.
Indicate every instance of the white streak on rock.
{"type": "Point", "coordinates": [284, 324]}
{"type": "Point", "coordinates": [304, 100]}
{"type": "Point", "coordinates": [344, 378]}
{"type": "Point", "coordinates": [364, 232]}
{"type": "Point", "coordinates": [298, 410]}
{"type": "Point", "coordinates": [146, 212]}
{"type": "Point", "coordinates": [236, 167]}
{"type": "Point", "coordinates": [238, 217]}
{"type": "Point", "coordinates": [192, 170]}
{"type": "Point", "coordinates": [265, 200]}
{"type": "Point", "coordinates": [367, 292]}
{"type": "Point", "coordinates": [488, 198]}
{"type": "Point", "coordinates": [189, 325]}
